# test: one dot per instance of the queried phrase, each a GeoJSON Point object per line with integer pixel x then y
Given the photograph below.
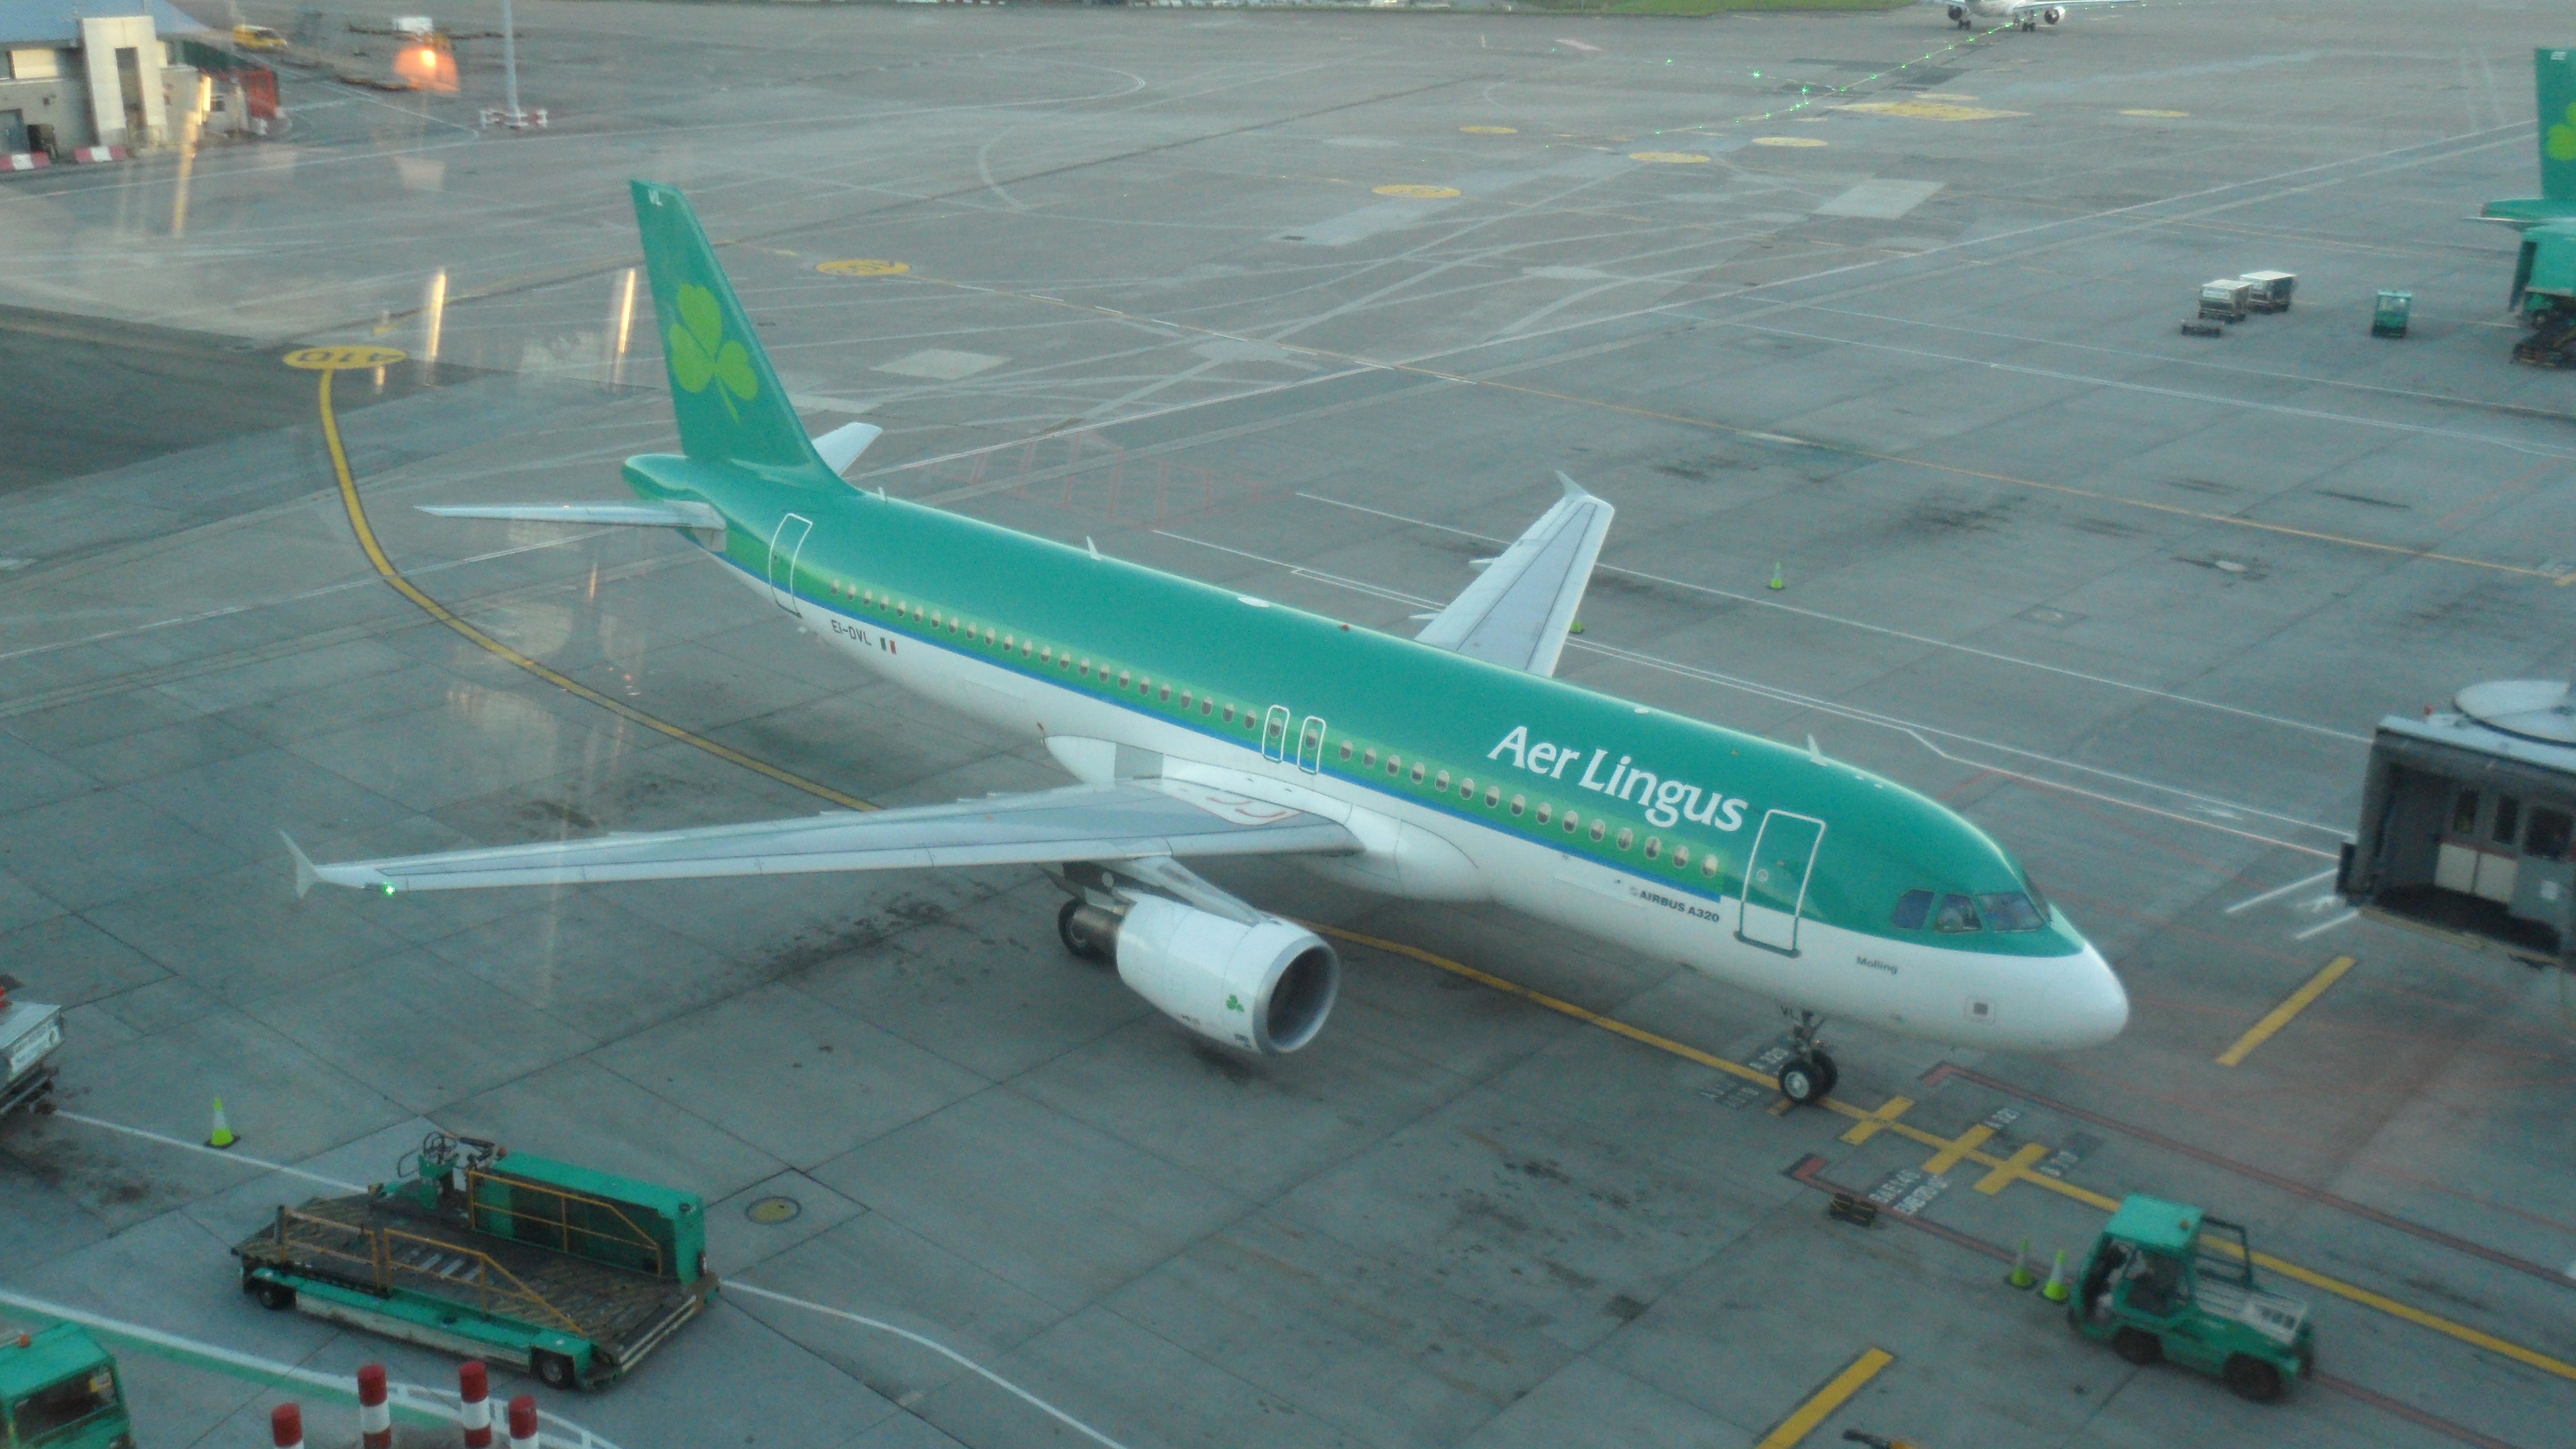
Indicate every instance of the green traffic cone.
{"type": "Point", "coordinates": [1778, 579]}
{"type": "Point", "coordinates": [2021, 1275]}
{"type": "Point", "coordinates": [2058, 1290]}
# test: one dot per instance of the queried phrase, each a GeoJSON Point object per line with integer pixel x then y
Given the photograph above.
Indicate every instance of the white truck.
{"type": "Point", "coordinates": [29, 1032]}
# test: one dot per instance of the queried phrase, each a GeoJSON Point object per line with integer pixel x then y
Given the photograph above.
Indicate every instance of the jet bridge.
{"type": "Point", "coordinates": [2466, 817]}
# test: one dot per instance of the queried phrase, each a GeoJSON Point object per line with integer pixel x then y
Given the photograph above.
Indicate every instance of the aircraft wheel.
{"type": "Point", "coordinates": [1802, 1081]}
{"type": "Point", "coordinates": [1074, 942]}
{"type": "Point", "coordinates": [2252, 1378]}
{"type": "Point", "coordinates": [2137, 1345]}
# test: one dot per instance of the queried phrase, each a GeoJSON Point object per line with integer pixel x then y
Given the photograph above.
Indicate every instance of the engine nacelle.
{"type": "Point", "coordinates": [1265, 987]}
{"type": "Point", "coordinates": [2052, 14]}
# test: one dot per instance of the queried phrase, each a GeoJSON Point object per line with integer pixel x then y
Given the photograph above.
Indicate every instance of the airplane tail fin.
{"type": "Point", "coordinates": [2554, 73]}
{"type": "Point", "coordinates": [730, 405]}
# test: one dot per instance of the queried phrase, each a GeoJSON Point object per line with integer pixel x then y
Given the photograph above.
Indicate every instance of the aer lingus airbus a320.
{"type": "Point", "coordinates": [2028, 14]}
{"type": "Point", "coordinates": [1203, 723]}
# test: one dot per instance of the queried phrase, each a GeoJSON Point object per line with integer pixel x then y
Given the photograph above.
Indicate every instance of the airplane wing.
{"type": "Point", "coordinates": [1518, 610]}
{"type": "Point", "coordinates": [1128, 820]}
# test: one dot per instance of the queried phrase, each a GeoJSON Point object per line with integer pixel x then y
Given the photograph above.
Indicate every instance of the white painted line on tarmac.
{"type": "Point", "coordinates": [2346, 918]}
{"type": "Point", "coordinates": [225, 1360]}
{"type": "Point", "coordinates": [225, 1153]}
{"type": "Point", "coordinates": [2276, 892]}
{"type": "Point", "coordinates": [941, 1349]}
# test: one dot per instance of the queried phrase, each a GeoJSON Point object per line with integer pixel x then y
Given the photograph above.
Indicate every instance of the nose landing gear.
{"type": "Point", "coordinates": [1808, 1076]}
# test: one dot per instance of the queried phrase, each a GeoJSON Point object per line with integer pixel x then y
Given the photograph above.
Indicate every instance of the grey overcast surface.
{"type": "Point", "coordinates": [1853, 296]}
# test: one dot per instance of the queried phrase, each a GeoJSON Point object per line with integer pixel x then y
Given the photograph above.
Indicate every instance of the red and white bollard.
{"type": "Point", "coordinates": [286, 1426]}
{"type": "Point", "coordinates": [375, 1416]}
{"type": "Point", "coordinates": [474, 1387]}
{"type": "Point", "coordinates": [523, 1422]}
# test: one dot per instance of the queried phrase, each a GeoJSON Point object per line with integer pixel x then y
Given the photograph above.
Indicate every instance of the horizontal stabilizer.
{"type": "Point", "coordinates": [842, 446]}
{"type": "Point", "coordinates": [642, 515]}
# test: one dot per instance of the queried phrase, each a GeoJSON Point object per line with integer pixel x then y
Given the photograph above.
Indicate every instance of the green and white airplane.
{"type": "Point", "coordinates": [2544, 272]}
{"type": "Point", "coordinates": [1204, 723]}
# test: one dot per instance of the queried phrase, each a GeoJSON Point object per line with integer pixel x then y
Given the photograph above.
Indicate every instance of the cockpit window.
{"type": "Point", "coordinates": [1958, 914]}
{"type": "Point", "coordinates": [1912, 909]}
{"type": "Point", "coordinates": [2011, 912]}
{"type": "Point", "coordinates": [2038, 902]}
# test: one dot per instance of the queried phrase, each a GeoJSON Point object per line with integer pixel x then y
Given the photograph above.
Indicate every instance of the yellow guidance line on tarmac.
{"type": "Point", "coordinates": [2279, 1017]}
{"type": "Point", "coordinates": [1883, 1120]}
{"type": "Point", "coordinates": [1837, 1391]}
{"type": "Point", "coordinates": [385, 568]}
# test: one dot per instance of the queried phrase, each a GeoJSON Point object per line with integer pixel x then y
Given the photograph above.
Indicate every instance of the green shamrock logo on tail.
{"type": "Point", "coordinates": [701, 353]}
{"type": "Point", "coordinates": [2561, 142]}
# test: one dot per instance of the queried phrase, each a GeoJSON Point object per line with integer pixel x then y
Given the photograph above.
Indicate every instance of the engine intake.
{"type": "Point", "coordinates": [2052, 14]}
{"type": "Point", "coordinates": [1265, 987]}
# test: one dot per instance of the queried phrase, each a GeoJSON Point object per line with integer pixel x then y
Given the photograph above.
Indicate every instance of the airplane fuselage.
{"type": "Point", "coordinates": [1764, 866]}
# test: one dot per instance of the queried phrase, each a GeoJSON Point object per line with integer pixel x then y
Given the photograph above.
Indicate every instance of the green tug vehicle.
{"type": "Point", "coordinates": [60, 1390]}
{"type": "Point", "coordinates": [573, 1274]}
{"type": "Point", "coordinates": [2167, 1281]}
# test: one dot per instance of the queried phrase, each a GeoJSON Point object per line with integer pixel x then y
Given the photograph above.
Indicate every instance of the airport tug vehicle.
{"type": "Point", "coordinates": [59, 1390]}
{"type": "Point", "coordinates": [2167, 1281]}
{"type": "Point", "coordinates": [29, 1032]}
{"type": "Point", "coordinates": [571, 1274]}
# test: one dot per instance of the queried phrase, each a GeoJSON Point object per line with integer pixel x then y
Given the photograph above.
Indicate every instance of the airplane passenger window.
{"type": "Point", "coordinates": [1346, 749]}
{"type": "Point", "coordinates": [1122, 678]}
{"type": "Point", "coordinates": [1144, 686]}
{"type": "Point", "coordinates": [1957, 916]}
{"type": "Point", "coordinates": [1417, 772]}
{"type": "Point", "coordinates": [1167, 697]}
{"type": "Point", "coordinates": [934, 618]}
{"type": "Point", "coordinates": [1229, 714]}
{"type": "Point", "coordinates": [1064, 661]}
{"type": "Point", "coordinates": [1394, 763]}
{"type": "Point", "coordinates": [1368, 759]}
{"type": "Point", "coordinates": [2547, 837]}
{"type": "Point", "coordinates": [916, 613]}
{"type": "Point", "coordinates": [2464, 813]}
{"type": "Point", "coordinates": [871, 596]}
{"type": "Point", "coordinates": [1440, 784]}
{"type": "Point", "coordinates": [1466, 789]}
{"type": "Point", "coordinates": [1573, 820]}
{"type": "Point", "coordinates": [2011, 912]}
{"type": "Point", "coordinates": [1247, 719]}
{"type": "Point", "coordinates": [1627, 837]}
{"type": "Point", "coordinates": [1519, 803]}
{"type": "Point", "coordinates": [1493, 796]}
{"type": "Point", "coordinates": [1024, 648]}
{"type": "Point", "coordinates": [1046, 656]}
{"type": "Point", "coordinates": [1207, 706]}
{"type": "Point", "coordinates": [1708, 865]}
{"type": "Point", "coordinates": [2508, 821]}
{"type": "Point", "coordinates": [1912, 909]}
{"type": "Point", "coordinates": [1086, 670]}
{"type": "Point", "coordinates": [1681, 857]}
{"type": "Point", "coordinates": [1654, 846]}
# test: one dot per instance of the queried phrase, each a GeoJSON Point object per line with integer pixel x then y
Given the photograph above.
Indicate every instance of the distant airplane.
{"type": "Point", "coordinates": [1202, 723]}
{"type": "Point", "coordinates": [2544, 275]}
{"type": "Point", "coordinates": [1969, 14]}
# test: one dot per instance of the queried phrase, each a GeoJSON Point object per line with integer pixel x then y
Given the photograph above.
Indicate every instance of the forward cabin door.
{"type": "Point", "coordinates": [1775, 879]}
{"type": "Point", "coordinates": [785, 547]}
{"type": "Point", "coordinates": [1310, 744]}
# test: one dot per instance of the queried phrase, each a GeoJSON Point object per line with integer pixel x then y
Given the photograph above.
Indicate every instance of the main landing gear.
{"type": "Point", "coordinates": [1808, 1075]}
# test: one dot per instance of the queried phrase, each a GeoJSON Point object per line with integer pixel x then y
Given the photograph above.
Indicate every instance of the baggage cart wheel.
{"type": "Point", "coordinates": [2252, 1378]}
{"type": "Point", "coordinates": [2138, 1346]}
{"type": "Point", "coordinates": [554, 1370]}
{"type": "Point", "coordinates": [275, 1297]}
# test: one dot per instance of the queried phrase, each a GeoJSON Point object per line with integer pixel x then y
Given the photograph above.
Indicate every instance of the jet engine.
{"type": "Point", "coordinates": [2053, 14]}
{"type": "Point", "coordinates": [1265, 986]}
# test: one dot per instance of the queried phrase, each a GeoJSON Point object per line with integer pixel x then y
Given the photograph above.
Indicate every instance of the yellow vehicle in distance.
{"type": "Point", "coordinates": [257, 37]}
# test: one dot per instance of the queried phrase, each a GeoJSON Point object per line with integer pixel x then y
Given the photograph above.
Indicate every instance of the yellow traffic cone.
{"type": "Point", "coordinates": [222, 1136]}
{"type": "Point", "coordinates": [2057, 1289]}
{"type": "Point", "coordinates": [2021, 1276]}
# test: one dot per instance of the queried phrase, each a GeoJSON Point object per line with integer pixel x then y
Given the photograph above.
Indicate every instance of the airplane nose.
{"type": "Point", "coordinates": [2100, 1005]}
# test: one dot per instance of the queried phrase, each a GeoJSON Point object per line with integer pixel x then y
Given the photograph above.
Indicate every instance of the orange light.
{"type": "Point", "coordinates": [427, 67]}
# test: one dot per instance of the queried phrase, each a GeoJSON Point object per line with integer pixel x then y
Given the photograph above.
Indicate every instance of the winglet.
{"type": "Point", "coordinates": [1572, 488]}
{"type": "Point", "coordinates": [305, 875]}
{"type": "Point", "coordinates": [1814, 753]}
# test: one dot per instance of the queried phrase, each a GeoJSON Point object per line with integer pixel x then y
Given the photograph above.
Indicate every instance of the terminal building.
{"type": "Point", "coordinates": [71, 81]}
{"type": "Point", "coordinates": [2466, 818]}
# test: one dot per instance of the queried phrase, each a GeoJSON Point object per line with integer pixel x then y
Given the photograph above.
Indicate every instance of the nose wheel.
{"type": "Point", "coordinates": [1808, 1076]}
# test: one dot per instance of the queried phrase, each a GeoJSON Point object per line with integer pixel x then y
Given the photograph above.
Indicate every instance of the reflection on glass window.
{"type": "Point", "coordinates": [1912, 909]}
{"type": "Point", "coordinates": [2464, 813]}
{"type": "Point", "coordinates": [2508, 821]}
{"type": "Point", "coordinates": [2547, 839]}
{"type": "Point", "coordinates": [2011, 912]}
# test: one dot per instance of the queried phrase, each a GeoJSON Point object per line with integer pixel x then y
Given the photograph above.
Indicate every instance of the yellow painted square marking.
{"type": "Point", "coordinates": [1838, 1390]}
{"type": "Point", "coordinates": [2016, 1166]}
{"type": "Point", "coordinates": [2300, 1000]}
{"type": "Point", "coordinates": [1868, 1126]}
{"type": "Point", "coordinates": [1948, 1157]}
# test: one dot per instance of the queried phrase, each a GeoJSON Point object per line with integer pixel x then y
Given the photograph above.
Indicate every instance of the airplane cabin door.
{"type": "Point", "coordinates": [1310, 744]}
{"type": "Point", "coordinates": [785, 547]}
{"type": "Point", "coordinates": [1274, 733]}
{"type": "Point", "coordinates": [1775, 879]}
